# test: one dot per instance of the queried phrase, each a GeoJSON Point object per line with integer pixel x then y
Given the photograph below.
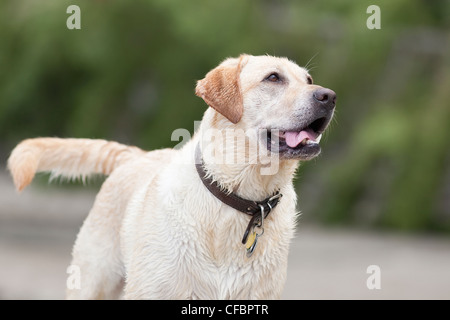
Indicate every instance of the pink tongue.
{"type": "Point", "coordinates": [293, 138]}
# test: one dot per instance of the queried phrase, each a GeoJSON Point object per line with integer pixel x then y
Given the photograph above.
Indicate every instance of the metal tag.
{"type": "Point", "coordinates": [250, 238]}
{"type": "Point", "coordinates": [251, 243]}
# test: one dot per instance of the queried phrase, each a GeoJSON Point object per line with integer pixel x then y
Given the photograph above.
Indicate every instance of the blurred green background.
{"type": "Point", "coordinates": [129, 75]}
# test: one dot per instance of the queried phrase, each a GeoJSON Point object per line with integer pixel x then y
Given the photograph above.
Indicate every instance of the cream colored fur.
{"type": "Point", "coordinates": [155, 231]}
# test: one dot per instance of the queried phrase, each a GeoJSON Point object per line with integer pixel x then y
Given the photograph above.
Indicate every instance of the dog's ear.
{"type": "Point", "coordinates": [220, 89]}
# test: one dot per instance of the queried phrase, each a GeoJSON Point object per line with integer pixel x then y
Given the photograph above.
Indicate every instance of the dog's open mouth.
{"type": "Point", "coordinates": [298, 143]}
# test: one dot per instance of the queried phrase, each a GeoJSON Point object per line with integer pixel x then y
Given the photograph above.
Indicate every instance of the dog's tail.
{"type": "Point", "coordinates": [71, 158]}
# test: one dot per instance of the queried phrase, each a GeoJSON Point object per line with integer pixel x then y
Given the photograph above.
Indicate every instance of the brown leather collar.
{"type": "Point", "coordinates": [259, 210]}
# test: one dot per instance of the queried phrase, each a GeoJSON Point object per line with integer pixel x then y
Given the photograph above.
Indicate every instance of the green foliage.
{"type": "Point", "coordinates": [129, 75]}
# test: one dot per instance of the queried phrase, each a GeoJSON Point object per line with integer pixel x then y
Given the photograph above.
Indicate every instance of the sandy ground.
{"type": "Point", "coordinates": [38, 228]}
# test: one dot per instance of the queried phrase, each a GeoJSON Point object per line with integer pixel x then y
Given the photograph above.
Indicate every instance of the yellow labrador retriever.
{"type": "Point", "coordinates": [211, 220]}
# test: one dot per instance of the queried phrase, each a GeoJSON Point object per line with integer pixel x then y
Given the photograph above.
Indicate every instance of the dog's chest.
{"type": "Point", "coordinates": [223, 270]}
{"type": "Point", "coordinates": [254, 279]}
{"type": "Point", "coordinates": [205, 237]}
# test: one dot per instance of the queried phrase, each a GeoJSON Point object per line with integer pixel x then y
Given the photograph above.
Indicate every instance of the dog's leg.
{"type": "Point", "coordinates": [96, 255]}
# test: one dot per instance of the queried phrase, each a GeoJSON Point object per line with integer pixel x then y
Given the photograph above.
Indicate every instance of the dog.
{"type": "Point", "coordinates": [180, 223]}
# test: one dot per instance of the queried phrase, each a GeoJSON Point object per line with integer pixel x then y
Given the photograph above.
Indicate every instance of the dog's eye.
{"type": "Point", "coordinates": [309, 80]}
{"type": "Point", "coordinates": [273, 77]}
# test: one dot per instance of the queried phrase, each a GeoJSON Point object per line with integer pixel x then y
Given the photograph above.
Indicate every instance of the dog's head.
{"type": "Point", "coordinates": [275, 96]}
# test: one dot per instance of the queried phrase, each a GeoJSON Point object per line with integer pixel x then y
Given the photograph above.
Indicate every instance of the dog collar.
{"type": "Point", "coordinates": [258, 210]}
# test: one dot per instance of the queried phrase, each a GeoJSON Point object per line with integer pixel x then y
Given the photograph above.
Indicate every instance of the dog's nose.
{"type": "Point", "coordinates": [325, 97]}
